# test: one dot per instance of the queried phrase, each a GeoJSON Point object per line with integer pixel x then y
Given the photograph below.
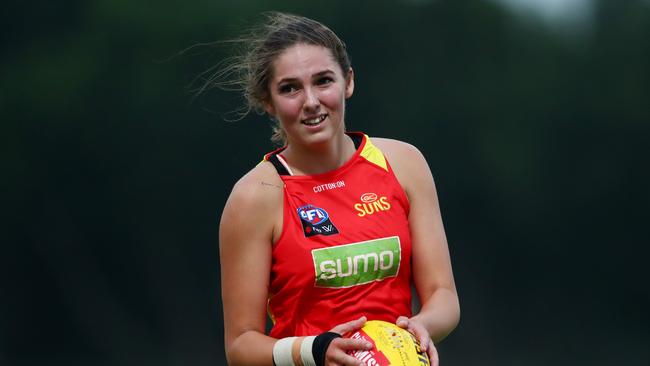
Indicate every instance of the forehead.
{"type": "Point", "coordinates": [303, 61]}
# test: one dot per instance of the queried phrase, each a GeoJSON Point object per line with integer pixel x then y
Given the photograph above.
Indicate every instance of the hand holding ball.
{"type": "Point", "coordinates": [392, 345]}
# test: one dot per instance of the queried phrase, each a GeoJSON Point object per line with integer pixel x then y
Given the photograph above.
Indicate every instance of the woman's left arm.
{"type": "Point", "coordinates": [432, 273]}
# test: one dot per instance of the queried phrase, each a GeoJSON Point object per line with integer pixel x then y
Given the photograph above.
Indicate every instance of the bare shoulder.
{"type": "Point", "coordinates": [259, 182]}
{"type": "Point", "coordinates": [257, 193]}
{"type": "Point", "coordinates": [407, 161]}
{"type": "Point", "coordinates": [400, 154]}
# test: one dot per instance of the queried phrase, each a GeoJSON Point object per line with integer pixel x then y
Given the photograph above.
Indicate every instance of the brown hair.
{"type": "Point", "coordinates": [249, 71]}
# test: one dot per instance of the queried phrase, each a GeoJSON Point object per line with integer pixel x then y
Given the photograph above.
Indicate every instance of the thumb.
{"type": "Point", "coordinates": [350, 326]}
{"type": "Point", "coordinates": [402, 322]}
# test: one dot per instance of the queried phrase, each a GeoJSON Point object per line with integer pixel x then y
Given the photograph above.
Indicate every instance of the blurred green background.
{"type": "Point", "coordinates": [533, 116]}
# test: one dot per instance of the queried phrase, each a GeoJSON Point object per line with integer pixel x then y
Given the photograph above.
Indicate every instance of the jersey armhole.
{"type": "Point", "coordinates": [285, 219]}
{"type": "Point", "coordinates": [402, 191]}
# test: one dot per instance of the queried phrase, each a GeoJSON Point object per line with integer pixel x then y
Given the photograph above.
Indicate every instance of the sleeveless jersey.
{"type": "Point", "coordinates": [345, 246]}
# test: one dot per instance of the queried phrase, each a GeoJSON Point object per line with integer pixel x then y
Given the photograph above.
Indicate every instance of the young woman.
{"type": "Point", "coordinates": [332, 229]}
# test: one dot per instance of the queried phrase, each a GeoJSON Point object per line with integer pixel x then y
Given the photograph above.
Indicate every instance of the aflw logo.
{"type": "Point", "coordinates": [315, 221]}
{"type": "Point", "coordinates": [370, 204]}
{"type": "Point", "coordinates": [357, 263]}
{"type": "Point", "coordinates": [313, 214]}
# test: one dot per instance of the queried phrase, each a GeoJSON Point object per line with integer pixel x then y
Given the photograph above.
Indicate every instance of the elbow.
{"type": "Point", "coordinates": [455, 320]}
{"type": "Point", "coordinates": [456, 315]}
{"type": "Point", "coordinates": [233, 358]}
{"type": "Point", "coordinates": [232, 355]}
{"type": "Point", "coordinates": [247, 349]}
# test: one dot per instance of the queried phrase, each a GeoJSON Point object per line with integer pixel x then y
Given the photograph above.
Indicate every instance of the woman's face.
{"type": "Point", "coordinates": [307, 94]}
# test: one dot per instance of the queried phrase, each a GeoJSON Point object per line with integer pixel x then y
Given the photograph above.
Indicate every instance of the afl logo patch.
{"type": "Point", "coordinates": [315, 221]}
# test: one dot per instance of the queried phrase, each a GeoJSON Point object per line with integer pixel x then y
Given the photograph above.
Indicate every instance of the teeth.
{"type": "Point", "coordinates": [315, 121]}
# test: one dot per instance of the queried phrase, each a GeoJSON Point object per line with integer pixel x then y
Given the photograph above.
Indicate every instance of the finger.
{"type": "Point", "coordinates": [351, 361]}
{"type": "Point", "coordinates": [406, 323]}
{"type": "Point", "coordinates": [425, 341]}
{"type": "Point", "coordinates": [349, 326]}
{"type": "Point", "coordinates": [423, 337]}
{"type": "Point", "coordinates": [342, 358]}
{"type": "Point", "coordinates": [433, 354]}
{"type": "Point", "coordinates": [341, 351]}
{"type": "Point", "coordinates": [416, 329]}
{"type": "Point", "coordinates": [420, 334]}
{"type": "Point", "coordinates": [348, 344]}
{"type": "Point", "coordinates": [402, 322]}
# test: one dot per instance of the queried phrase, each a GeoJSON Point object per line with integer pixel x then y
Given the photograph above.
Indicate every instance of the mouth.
{"type": "Point", "coordinates": [314, 121]}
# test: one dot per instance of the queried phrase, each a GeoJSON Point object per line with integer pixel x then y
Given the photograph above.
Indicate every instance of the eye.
{"type": "Point", "coordinates": [324, 80]}
{"type": "Point", "coordinates": [287, 88]}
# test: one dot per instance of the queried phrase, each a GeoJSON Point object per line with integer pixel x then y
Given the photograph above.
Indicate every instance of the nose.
{"type": "Point", "coordinates": [312, 103]}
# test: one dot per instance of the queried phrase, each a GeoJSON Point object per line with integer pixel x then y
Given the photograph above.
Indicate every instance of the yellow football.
{"type": "Point", "coordinates": [392, 345]}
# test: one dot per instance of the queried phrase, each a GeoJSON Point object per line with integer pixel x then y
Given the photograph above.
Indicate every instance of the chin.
{"type": "Point", "coordinates": [317, 138]}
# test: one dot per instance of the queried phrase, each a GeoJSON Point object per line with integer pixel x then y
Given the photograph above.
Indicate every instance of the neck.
{"type": "Point", "coordinates": [310, 160]}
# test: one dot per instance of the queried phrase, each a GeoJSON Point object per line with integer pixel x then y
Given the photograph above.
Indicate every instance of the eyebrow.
{"type": "Point", "coordinates": [316, 75]}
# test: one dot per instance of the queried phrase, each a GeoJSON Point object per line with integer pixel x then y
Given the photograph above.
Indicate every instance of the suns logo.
{"type": "Point", "coordinates": [371, 203]}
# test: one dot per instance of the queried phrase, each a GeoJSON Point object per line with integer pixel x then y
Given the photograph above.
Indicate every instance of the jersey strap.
{"type": "Point", "coordinates": [371, 153]}
{"type": "Point", "coordinates": [357, 139]}
{"type": "Point", "coordinates": [273, 159]}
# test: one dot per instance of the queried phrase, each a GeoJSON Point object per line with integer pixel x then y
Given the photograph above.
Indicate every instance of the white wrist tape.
{"type": "Point", "coordinates": [282, 352]}
{"type": "Point", "coordinates": [306, 354]}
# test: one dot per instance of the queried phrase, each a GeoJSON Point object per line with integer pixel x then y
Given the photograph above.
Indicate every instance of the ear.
{"type": "Point", "coordinates": [349, 83]}
{"type": "Point", "coordinates": [268, 107]}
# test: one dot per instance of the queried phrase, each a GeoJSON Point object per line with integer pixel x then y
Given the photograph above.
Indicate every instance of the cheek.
{"type": "Point", "coordinates": [284, 104]}
{"type": "Point", "coordinates": [288, 109]}
{"type": "Point", "coordinates": [333, 98]}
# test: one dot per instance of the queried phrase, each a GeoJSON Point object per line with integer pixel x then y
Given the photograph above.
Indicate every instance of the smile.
{"type": "Point", "coordinates": [314, 121]}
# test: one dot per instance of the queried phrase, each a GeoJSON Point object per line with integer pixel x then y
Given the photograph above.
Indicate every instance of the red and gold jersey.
{"type": "Point", "coordinates": [345, 247]}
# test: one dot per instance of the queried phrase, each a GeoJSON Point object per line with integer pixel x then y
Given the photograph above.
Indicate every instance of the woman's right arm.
{"type": "Point", "coordinates": [251, 220]}
{"type": "Point", "coordinates": [245, 243]}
